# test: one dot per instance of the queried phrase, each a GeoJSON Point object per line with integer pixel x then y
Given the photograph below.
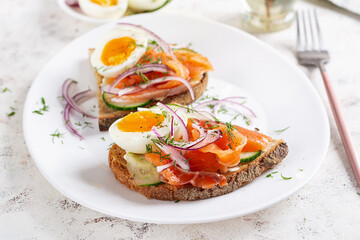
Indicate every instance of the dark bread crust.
{"type": "Point", "coordinates": [107, 115]}
{"type": "Point", "coordinates": [244, 175]}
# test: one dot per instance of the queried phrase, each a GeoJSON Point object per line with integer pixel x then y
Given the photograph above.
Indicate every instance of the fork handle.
{"type": "Point", "coordinates": [340, 122]}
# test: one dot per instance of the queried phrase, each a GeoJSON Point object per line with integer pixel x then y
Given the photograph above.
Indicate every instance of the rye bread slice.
{"type": "Point", "coordinates": [107, 115]}
{"type": "Point", "coordinates": [245, 174]}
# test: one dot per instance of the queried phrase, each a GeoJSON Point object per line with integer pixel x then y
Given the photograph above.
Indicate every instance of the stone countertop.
{"type": "Point", "coordinates": [30, 208]}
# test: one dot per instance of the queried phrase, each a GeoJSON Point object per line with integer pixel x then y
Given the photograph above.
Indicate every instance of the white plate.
{"type": "Point", "coordinates": [76, 12]}
{"type": "Point", "coordinates": [79, 170]}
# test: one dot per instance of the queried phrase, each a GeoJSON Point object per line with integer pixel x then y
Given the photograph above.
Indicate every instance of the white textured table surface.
{"type": "Point", "coordinates": [328, 207]}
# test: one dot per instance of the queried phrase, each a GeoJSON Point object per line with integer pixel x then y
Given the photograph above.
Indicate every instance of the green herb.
{"type": "Point", "coordinates": [56, 134]}
{"type": "Point", "coordinates": [110, 145]}
{"type": "Point", "coordinates": [6, 90]}
{"type": "Point", "coordinates": [270, 174]}
{"type": "Point", "coordinates": [102, 138]}
{"type": "Point", "coordinates": [148, 148]}
{"type": "Point", "coordinates": [222, 110]}
{"type": "Point", "coordinates": [144, 78]}
{"type": "Point", "coordinates": [88, 124]}
{"type": "Point", "coordinates": [11, 114]}
{"type": "Point", "coordinates": [45, 108]}
{"type": "Point", "coordinates": [149, 135]}
{"type": "Point", "coordinates": [281, 130]}
{"type": "Point", "coordinates": [286, 178]}
{"type": "Point", "coordinates": [229, 131]}
{"type": "Point", "coordinates": [246, 121]}
{"type": "Point", "coordinates": [300, 169]}
{"type": "Point", "coordinates": [176, 201]}
{"type": "Point", "coordinates": [78, 124]}
{"type": "Point", "coordinates": [81, 147]}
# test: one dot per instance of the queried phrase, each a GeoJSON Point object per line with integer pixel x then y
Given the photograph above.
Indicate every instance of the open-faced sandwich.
{"type": "Point", "coordinates": [136, 68]}
{"type": "Point", "coordinates": [172, 152]}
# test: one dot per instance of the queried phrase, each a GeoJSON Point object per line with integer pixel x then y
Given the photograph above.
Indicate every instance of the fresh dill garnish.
{"type": "Point", "coordinates": [286, 178]}
{"type": "Point", "coordinates": [11, 114]}
{"type": "Point", "coordinates": [301, 170]}
{"type": "Point", "coordinates": [223, 110]}
{"type": "Point", "coordinates": [281, 130]}
{"type": "Point", "coordinates": [110, 145]}
{"type": "Point", "coordinates": [56, 134]}
{"type": "Point", "coordinates": [229, 131]}
{"type": "Point", "coordinates": [78, 124]}
{"type": "Point", "coordinates": [6, 90]}
{"type": "Point", "coordinates": [45, 108]}
{"type": "Point", "coordinates": [102, 138]}
{"type": "Point", "coordinates": [271, 174]}
{"type": "Point", "coordinates": [88, 124]}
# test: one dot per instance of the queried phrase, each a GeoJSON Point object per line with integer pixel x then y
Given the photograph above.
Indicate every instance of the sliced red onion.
{"type": "Point", "coordinates": [222, 101]}
{"type": "Point", "coordinates": [234, 98]}
{"type": "Point", "coordinates": [174, 154]}
{"type": "Point", "coordinates": [182, 125]}
{"type": "Point", "coordinates": [212, 136]}
{"type": "Point", "coordinates": [155, 94]}
{"type": "Point", "coordinates": [164, 45]}
{"type": "Point", "coordinates": [65, 91]}
{"type": "Point", "coordinates": [163, 167]}
{"type": "Point", "coordinates": [72, 3]}
{"type": "Point", "coordinates": [172, 127]}
{"type": "Point", "coordinates": [142, 86]}
{"type": "Point", "coordinates": [142, 69]}
{"type": "Point", "coordinates": [188, 145]}
{"type": "Point", "coordinates": [81, 96]}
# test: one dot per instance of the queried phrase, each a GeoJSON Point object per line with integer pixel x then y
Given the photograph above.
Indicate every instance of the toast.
{"type": "Point", "coordinates": [246, 173]}
{"type": "Point", "coordinates": [107, 115]}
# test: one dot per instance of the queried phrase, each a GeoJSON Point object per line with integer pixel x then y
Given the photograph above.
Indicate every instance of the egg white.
{"type": "Point", "coordinates": [136, 142]}
{"type": "Point", "coordinates": [145, 5]}
{"type": "Point", "coordinates": [98, 11]}
{"type": "Point", "coordinates": [141, 40]}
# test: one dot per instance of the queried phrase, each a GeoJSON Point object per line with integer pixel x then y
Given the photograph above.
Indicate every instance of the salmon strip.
{"type": "Point", "coordinates": [176, 176]}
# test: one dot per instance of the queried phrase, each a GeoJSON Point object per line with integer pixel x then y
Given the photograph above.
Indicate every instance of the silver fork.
{"type": "Point", "coordinates": [311, 52]}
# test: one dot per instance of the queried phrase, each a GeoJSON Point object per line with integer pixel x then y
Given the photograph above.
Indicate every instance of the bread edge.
{"type": "Point", "coordinates": [247, 173]}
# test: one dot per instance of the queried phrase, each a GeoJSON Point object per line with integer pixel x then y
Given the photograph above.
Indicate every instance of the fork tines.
{"type": "Point", "coordinates": [308, 31]}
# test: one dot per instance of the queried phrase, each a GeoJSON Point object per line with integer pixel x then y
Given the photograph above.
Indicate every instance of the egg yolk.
{"type": "Point", "coordinates": [106, 3]}
{"type": "Point", "coordinates": [140, 121]}
{"type": "Point", "coordinates": [117, 51]}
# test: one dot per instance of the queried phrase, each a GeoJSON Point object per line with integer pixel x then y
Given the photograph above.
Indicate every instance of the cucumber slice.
{"type": "Point", "coordinates": [143, 172]}
{"type": "Point", "coordinates": [119, 106]}
{"type": "Point", "coordinates": [156, 108]}
{"type": "Point", "coordinates": [247, 157]}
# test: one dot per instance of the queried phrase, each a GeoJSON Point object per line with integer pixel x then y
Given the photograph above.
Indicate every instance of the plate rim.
{"type": "Point", "coordinates": [155, 220]}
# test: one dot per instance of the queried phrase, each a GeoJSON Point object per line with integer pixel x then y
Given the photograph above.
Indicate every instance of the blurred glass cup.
{"type": "Point", "coordinates": [267, 15]}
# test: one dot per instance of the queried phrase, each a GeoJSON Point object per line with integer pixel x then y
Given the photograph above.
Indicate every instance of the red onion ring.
{"type": "Point", "coordinates": [164, 45]}
{"type": "Point", "coordinates": [143, 69]}
{"type": "Point", "coordinates": [65, 92]}
{"type": "Point", "coordinates": [72, 3]}
{"type": "Point", "coordinates": [182, 125]}
{"type": "Point", "coordinates": [217, 102]}
{"type": "Point", "coordinates": [163, 167]}
{"type": "Point", "coordinates": [140, 87]}
{"type": "Point", "coordinates": [174, 154]}
{"type": "Point", "coordinates": [209, 137]}
{"type": "Point", "coordinates": [77, 99]}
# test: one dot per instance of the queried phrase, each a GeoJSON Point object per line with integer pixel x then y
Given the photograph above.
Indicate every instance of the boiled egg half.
{"type": "Point", "coordinates": [108, 9]}
{"type": "Point", "coordinates": [119, 50]}
{"type": "Point", "coordinates": [133, 132]}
